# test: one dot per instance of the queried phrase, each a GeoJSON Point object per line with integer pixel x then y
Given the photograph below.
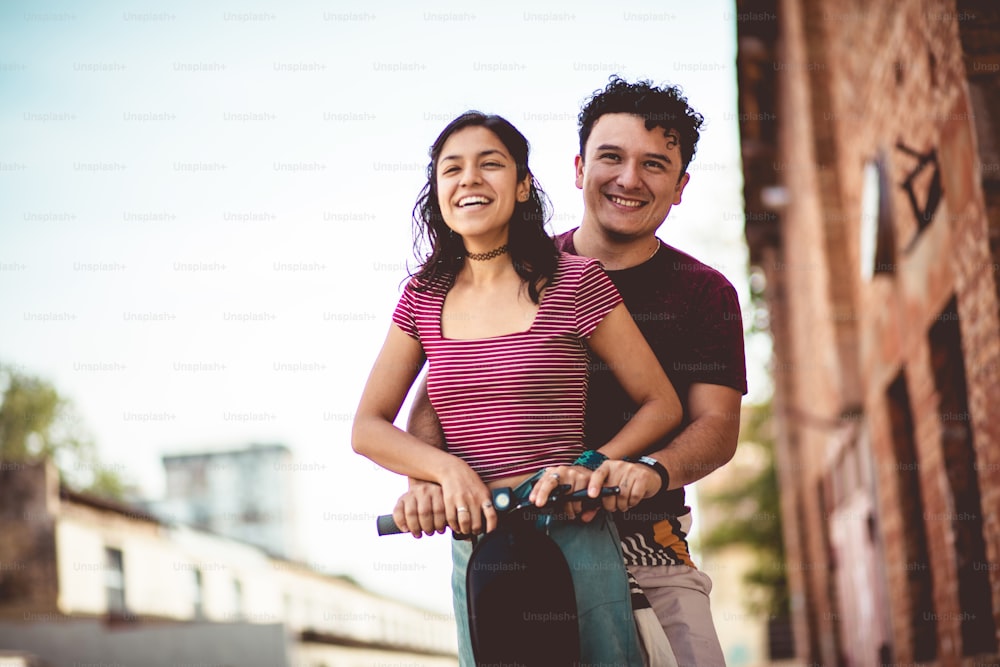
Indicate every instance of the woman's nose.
{"type": "Point", "coordinates": [470, 176]}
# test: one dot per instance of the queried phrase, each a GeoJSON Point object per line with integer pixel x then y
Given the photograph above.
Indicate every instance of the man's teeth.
{"type": "Point", "coordinates": [631, 203]}
{"type": "Point", "coordinates": [468, 201]}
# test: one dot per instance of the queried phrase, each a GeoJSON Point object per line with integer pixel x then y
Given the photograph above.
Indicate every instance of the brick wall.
{"type": "Point", "coordinates": [894, 83]}
{"type": "Point", "coordinates": [28, 582]}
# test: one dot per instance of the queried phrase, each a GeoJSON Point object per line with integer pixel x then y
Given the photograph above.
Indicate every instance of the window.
{"type": "Point", "coordinates": [923, 625]}
{"type": "Point", "coordinates": [197, 594]}
{"type": "Point", "coordinates": [878, 241]}
{"type": "Point", "coordinates": [978, 628]}
{"type": "Point", "coordinates": [114, 581]}
{"type": "Point", "coordinates": [237, 600]}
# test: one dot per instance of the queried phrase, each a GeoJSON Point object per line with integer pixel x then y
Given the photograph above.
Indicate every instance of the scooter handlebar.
{"type": "Point", "coordinates": [386, 525]}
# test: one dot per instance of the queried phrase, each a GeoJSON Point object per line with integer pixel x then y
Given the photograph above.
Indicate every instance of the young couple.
{"type": "Point", "coordinates": [509, 320]}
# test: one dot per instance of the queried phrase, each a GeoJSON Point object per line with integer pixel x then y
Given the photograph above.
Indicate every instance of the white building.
{"type": "Point", "coordinates": [87, 581]}
{"type": "Point", "coordinates": [245, 494]}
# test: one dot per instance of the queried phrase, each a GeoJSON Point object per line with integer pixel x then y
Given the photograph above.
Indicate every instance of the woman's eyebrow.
{"type": "Point", "coordinates": [488, 151]}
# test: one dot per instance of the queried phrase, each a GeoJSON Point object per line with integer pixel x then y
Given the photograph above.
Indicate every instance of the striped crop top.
{"type": "Point", "coordinates": [512, 404]}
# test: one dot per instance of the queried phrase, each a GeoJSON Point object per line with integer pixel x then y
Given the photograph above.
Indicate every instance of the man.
{"type": "Point", "coordinates": [636, 141]}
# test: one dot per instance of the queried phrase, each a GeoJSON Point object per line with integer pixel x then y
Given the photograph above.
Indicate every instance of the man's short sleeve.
{"type": "Point", "coordinates": [720, 357]}
{"type": "Point", "coordinates": [595, 297]}
{"type": "Point", "coordinates": [405, 314]}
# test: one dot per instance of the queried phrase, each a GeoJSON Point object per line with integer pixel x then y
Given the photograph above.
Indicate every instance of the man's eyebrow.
{"type": "Point", "coordinates": [612, 147]}
{"type": "Point", "coordinates": [488, 151]}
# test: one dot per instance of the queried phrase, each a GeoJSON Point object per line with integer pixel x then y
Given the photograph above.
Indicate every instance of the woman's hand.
{"type": "Point", "coordinates": [467, 500]}
{"type": "Point", "coordinates": [576, 476]}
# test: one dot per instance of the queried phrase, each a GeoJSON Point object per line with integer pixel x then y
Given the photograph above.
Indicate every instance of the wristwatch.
{"type": "Point", "coordinates": [655, 465]}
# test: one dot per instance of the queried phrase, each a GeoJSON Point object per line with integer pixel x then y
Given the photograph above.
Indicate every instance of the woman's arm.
{"type": "Point", "coordinates": [375, 436]}
{"type": "Point", "coordinates": [620, 344]}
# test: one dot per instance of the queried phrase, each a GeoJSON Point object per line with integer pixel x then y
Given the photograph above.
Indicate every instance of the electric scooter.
{"type": "Point", "coordinates": [522, 608]}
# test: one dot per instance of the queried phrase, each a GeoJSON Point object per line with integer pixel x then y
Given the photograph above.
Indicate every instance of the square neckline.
{"type": "Point", "coordinates": [534, 321]}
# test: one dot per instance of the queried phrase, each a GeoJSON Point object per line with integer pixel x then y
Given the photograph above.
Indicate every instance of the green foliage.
{"type": "Point", "coordinates": [755, 508]}
{"type": "Point", "coordinates": [36, 423]}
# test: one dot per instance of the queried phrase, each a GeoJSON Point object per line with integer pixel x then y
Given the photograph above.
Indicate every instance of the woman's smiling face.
{"type": "Point", "coordinates": [477, 186]}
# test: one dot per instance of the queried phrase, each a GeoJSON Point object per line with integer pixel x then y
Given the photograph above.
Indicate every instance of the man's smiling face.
{"type": "Point", "coordinates": [630, 176]}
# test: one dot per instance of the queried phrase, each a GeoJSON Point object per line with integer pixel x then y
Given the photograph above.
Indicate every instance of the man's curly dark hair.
{"type": "Point", "coordinates": [663, 107]}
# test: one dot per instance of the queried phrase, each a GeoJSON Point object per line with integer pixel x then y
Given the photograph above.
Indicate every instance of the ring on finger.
{"type": "Point", "coordinates": [554, 475]}
{"type": "Point", "coordinates": [487, 504]}
{"type": "Point", "coordinates": [461, 509]}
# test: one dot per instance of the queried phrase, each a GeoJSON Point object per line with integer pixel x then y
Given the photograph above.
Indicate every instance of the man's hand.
{"type": "Point", "coordinates": [706, 443]}
{"type": "Point", "coordinates": [636, 481]}
{"type": "Point", "coordinates": [421, 509]}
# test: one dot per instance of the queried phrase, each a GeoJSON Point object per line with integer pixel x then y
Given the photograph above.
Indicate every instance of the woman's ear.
{"type": "Point", "coordinates": [524, 189]}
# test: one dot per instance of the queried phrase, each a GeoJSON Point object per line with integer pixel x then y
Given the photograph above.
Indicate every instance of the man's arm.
{"type": "Point", "coordinates": [421, 510]}
{"type": "Point", "coordinates": [423, 422]}
{"type": "Point", "coordinates": [708, 442]}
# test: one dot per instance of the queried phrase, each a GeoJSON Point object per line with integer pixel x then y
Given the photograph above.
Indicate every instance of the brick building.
{"type": "Point", "coordinates": [871, 150]}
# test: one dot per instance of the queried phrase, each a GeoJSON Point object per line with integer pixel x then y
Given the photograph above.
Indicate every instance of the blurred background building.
{"type": "Point", "coordinates": [88, 580]}
{"type": "Point", "coordinates": [245, 494]}
{"type": "Point", "coordinates": [740, 540]}
{"type": "Point", "coordinates": [871, 157]}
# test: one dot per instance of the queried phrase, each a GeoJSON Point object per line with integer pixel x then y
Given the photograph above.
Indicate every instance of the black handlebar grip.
{"type": "Point", "coordinates": [387, 525]}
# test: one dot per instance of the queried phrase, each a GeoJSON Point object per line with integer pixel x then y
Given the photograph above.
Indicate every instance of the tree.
{"type": "Point", "coordinates": [36, 423]}
{"type": "Point", "coordinates": [755, 522]}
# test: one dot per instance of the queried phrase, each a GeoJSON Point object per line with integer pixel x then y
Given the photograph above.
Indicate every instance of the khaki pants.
{"type": "Point", "coordinates": [679, 596]}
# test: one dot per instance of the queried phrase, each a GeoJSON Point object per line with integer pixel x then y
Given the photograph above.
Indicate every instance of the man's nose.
{"type": "Point", "coordinates": [628, 176]}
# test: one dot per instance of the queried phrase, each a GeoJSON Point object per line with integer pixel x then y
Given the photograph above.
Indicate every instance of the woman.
{"type": "Point", "coordinates": [507, 322]}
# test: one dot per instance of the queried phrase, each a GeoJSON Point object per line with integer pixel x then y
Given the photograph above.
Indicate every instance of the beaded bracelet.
{"type": "Point", "coordinates": [590, 459]}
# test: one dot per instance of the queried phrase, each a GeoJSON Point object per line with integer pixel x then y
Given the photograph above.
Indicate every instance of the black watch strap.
{"type": "Point", "coordinates": [655, 465]}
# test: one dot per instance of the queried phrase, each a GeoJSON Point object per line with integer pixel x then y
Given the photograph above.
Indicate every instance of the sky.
{"type": "Point", "coordinates": [205, 212]}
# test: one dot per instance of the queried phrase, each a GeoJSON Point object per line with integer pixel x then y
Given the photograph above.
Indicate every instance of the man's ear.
{"type": "Point", "coordinates": [681, 184]}
{"type": "Point", "coordinates": [578, 162]}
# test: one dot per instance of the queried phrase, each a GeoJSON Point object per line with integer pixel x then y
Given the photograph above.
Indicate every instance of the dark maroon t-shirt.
{"type": "Point", "coordinates": [690, 315]}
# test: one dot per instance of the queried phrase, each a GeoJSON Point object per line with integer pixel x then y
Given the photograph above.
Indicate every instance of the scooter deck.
{"type": "Point", "coordinates": [522, 608]}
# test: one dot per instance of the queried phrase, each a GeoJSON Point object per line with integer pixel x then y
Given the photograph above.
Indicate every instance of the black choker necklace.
{"type": "Point", "coordinates": [483, 256]}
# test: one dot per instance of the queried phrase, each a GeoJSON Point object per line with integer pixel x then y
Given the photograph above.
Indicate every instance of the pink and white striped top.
{"type": "Point", "coordinates": [512, 404]}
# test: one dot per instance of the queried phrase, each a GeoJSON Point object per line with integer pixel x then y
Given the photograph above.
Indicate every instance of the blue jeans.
{"type": "Point", "coordinates": [604, 608]}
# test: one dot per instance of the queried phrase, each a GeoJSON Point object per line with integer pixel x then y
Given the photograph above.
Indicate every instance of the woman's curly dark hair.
{"type": "Point", "coordinates": [665, 107]}
{"type": "Point", "coordinates": [532, 250]}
